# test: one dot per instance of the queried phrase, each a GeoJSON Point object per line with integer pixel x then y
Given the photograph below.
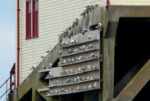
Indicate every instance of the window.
{"type": "Point", "coordinates": [35, 18]}
{"type": "Point", "coordinates": [31, 19]}
{"type": "Point", "coordinates": [28, 19]}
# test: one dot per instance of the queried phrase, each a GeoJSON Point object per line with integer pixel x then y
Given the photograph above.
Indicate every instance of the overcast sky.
{"type": "Point", "coordinates": [7, 40]}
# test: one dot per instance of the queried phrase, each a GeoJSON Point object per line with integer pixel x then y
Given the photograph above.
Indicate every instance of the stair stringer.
{"type": "Point", "coordinates": [136, 84]}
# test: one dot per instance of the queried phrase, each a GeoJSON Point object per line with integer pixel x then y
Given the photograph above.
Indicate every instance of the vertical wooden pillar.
{"type": "Point", "coordinates": [108, 69]}
{"type": "Point", "coordinates": [33, 95]}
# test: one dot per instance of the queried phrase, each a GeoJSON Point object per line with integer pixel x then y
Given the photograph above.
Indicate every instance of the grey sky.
{"type": "Point", "coordinates": [7, 39]}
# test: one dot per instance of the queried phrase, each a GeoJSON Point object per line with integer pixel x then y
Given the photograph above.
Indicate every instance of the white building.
{"type": "Point", "coordinates": [48, 18]}
{"type": "Point", "coordinates": [39, 21]}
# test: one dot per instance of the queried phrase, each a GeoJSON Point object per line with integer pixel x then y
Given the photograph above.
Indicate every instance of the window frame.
{"type": "Point", "coordinates": [31, 19]}
{"type": "Point", "coordinates": [28, 19]}
{"type": "Point", "coordinates": [35, 18]}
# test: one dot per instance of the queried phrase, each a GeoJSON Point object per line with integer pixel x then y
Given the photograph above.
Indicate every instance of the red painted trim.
{"type": "Point", "coordinates": [32, 37]}
{"type": "Point", "coordinates": [107, 3]}
{"type": "Point", "coordinates": [28, 19]}
{"type": "Point", "coordinates": [34, 19]}
{"type": "Point", "coordinates": [12, 83]}
{"type": "Point", "coordinates": [18, 41]}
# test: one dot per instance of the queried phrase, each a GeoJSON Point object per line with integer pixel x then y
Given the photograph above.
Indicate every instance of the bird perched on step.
{"type": "Point", "coordinates": [66, 43]}
{"type": "Point", "coordinates": [56, 83]}
{"type": "Point", "coordinates": [51, 92]}
{"type": "Point", "coordinates": [76, 59]}
{"type": "Point", "coordinates": [95, 85]}
{"type": "Point", "coordinates": [74, 33]}
{"type": "Point", "coordinates": [87, 78]}
{"type": "Point", "coordinates": [85, 88]}
{"type": "Point", "coordinates": [70, 33]}
{"type": "Point", "coordinates": [71, 90]}
{"type": "Point", "coordinates": [62, 73]}
{"type": "Point", "coordinates": [69, 60]}
{"type": "Point", "coordinates": [79, 79]}
{"type": "Point", "coordinates": [79, 70]}
{"type": "Point", "coordinates": [62, 43]}
{"type": "Point", "coordinates": [76, 41]}
{"type": "Point", "coordinates": [94, 67]}
{"type": "Point", "coordinates": [88, 7]}
{"type": "Point", "coordinates": [92, 55]}
{"type": "Point", "coordinates": [60, 53]}
{"type": "Point", "coordinates": [80, 58]}
{"type": "Point", "coordinates": [48, 93]}
{"type": "Point", "coordinates": [99, 26]}
{"type": "Point", "coordinates": [83, 31]}
{"type": "Point", "coordinates": [64, 61]}
{"type": "Point", "coordinates": [75, 80]}
{"type": "Point", "coordinates": [50, 74]}
{"type": "Point", "coordinates": [60, 35]}
{"type": "Point", "coordinates": [71, 71]}
{"type": "Point", "coordinates": [52, 84]}
{"type": "Point", "coordinates": [89, 37]}
{"type": "Point", "coordinates": [83, 13]}
{"type": "Point", "coordinates": [67, 72]}
{"type": "Point", "coordinates": [90, 86]}
{"type": "Point", "coordinates": [66, 91]}
{"type": "Point", "coordinates": [92, 7]}
{"type": "Point", "coordinates": [83, 68]}
{"type": "Point", "coordinates": [78, 88]}
{"type": "Point", "coordinates": [83, 78]}
{"type": "Point", "coordinates": [91, 78]}
{"type": "Point", "coordinates": [69, 51]}
{"type": "Point", "coordinates": [42, 56]}
{"type": "Point", "coordinates": [75, 22]}
{"type": "Point", "coordinates": [73, 60]}
{"type": "Point", "coordinates": [67, 30]}
{"type": "Point", "coordinates": [70, 27]}
{"type": "Point", "coordinates": [72, 41]}
{"type": "Point", "coordinates": [83, 48]}
{"type": "Point", "coordinates": [62, 90]}
{"type": "Point", "coordinates": [44, 67]}
{"type": "Point", "coordinates": [47, 51]}
{"type": "Point", "coordinates": [68, 80]}
{"type": "Point", "coordinates": [75, 51]}
{"type": "Point", "coordinates": [96, 5]}
{"type": "Point", "coordinates": [71, 81]}
{"type": "Point", "coordinates": [50, 65]}
{"type": "Point", "coordinates": [55, 92]}
{"type": "Point", "coordinates": [90, 46]}
{"type": "Point", "coordinates": [89, 67]}
{"type": "Point", "coordinates": [32, 68]}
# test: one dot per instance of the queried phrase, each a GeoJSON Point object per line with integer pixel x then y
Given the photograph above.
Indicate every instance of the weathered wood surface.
{"type": "Point", "coordinates": [74, 66]}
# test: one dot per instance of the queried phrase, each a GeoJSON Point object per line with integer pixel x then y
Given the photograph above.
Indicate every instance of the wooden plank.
{"type": "Point", "coordinates": [74, 92]}
{"type": "Point", "coordinates": [73, 83]}
{"type": "Point", "coordinates": [68, 46]}
{"type": "Point", "coordinates": [86, 60]}
{"type": "Point", "coordinates": [75, 66]}
{"type": "Point", "coordinates": [43, 70]}
{"type": "Point", "coordinates": [72, 74]}
{"type": "Point", "coordinates": [65, 55]}
{"type": "Point", "coordinates": [43, 89]}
